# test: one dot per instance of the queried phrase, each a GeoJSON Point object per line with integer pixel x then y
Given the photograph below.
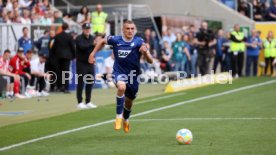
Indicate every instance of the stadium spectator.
{"type": "Point", "coordinates": [35, 18]}
{"type": "Point", "coordinates": [38, 75]}
{"type": "Point", "coordinates": [258, 10]}
{"type": "Point", "coordinates": [271, 12]}
{"type": "Point", "coordinates": [37, 9]}
{"type": "Point", "coordinates": [10, 17]}
{"type": "Point", "coordinates": [13, 80]}
{"type": "Point", "coordinates": [25, 41]}
{"type": "Point", "coordinates": [46, 5]}
{"type": "Point", "coordinates": [43, 43]}
{"type": "Point", "coordinates": [180, 53]}
{"type": "Point", "coordinates": [205, 40]}
{"type": "Point", "coordinates": [237, 47]}
{"type": "Point", "coordinates": [243, 8]}
{"type": "Point", "coordinates": [85, 43]}
{"type": "Point", "coordinates": [15, 6]}
{"type": "Point", "coordinates": [192, 31]}
{"type": "Point", "coordinates": [18, 63]}
{"type": "Point", "coordinates": [64, 51]}
{"type": "Point", "coordinates": [46, 19]}
{"type": "Point", "coordinates": [17, 17]}
{"type": "Point", "coordinates": [219, 50]}
{"type": "Point", "coordinates": [156, 44]}
{"type": "Point", "coordinates": [26, 17]}
{"type": "Point", "coordinates": [98, 20]}
{"type": "Point", "coordinates": [150, 41]}
{"type": "Point", "coordinates": [226, 50]}
{"type": "Point", "coordinates": [269, 51]}
{"type": "Point", "coordinates": [169, 36]}
{"type": "Point", "coordinates": [166, 57]}
{"type": "Point", "coordinates": [58, 17]}
{"type": "Point", "coordinates": [83, 16]}
{"type": "Point", "coordinates": [191, 65]}
{"type": "Point", "coordinates": [67, 18]}
{"type": "Point", "coordinates": [254, 45]}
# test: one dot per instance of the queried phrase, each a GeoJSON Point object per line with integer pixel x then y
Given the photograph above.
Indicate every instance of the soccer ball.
{"type": "Point", "coordinates": [184, 136]}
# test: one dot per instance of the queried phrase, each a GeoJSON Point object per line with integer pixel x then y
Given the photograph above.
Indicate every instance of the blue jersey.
{"type": "Point", "coordinates": [127, 55]}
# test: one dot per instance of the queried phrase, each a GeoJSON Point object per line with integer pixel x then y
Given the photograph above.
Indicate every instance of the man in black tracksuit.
{"type": "Point", "coordinates": [64, 51]}
{"type": "Point", "coordinates": [85, 71]}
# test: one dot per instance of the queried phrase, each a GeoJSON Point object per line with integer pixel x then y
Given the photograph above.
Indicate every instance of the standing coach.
{"type": "Point", "coordinates": [64, 51]}
{"type": "Point", "coordinates": [84, 46]}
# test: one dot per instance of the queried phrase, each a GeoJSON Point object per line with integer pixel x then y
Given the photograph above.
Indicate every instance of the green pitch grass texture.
{"type": "Point", "coordinates": [154, 133]}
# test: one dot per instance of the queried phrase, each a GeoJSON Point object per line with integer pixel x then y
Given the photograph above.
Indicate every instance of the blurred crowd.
{"type": "Point", "coordinates": [203, 51]}
{"type": "Point", "coordinates": [31, 12]}
{"type": "Point", "coordinates": [43, 13]}
{"type": "Point", "coordinates": [263, 10]}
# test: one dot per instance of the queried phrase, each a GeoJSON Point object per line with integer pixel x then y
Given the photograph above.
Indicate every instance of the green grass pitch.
{"type": "Point", "coordinates": [238, 123]}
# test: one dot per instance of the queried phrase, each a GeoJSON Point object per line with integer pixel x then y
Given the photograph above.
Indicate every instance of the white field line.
{"type": "Point", "coordinates": [198, 119]}
{"type": "Point", "coordinates": [136, 115]}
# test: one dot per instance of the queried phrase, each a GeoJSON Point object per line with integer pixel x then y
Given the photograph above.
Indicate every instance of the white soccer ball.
{"type": "Point", "coordinates": [184, 136]}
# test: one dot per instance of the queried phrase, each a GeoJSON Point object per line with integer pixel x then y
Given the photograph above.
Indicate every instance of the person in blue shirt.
{"type": "Point", "coordinates": [25, 41]}
{"type": "Point", "coordinates": [254, 45]}
{"type": "Point", "coordinates": [127, 50]}
{"type": "Point", "coordinates": [43, 43]}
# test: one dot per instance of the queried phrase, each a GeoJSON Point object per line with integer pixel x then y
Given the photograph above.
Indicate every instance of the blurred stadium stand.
{"type": "Point", "coordinates": [196, 8]}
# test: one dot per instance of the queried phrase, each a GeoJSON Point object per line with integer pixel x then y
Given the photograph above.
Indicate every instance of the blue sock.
{"type": "Point", "coordinates": [120, 104]}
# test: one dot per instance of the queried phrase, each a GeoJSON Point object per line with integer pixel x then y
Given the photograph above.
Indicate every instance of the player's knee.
{"type": "Point", "coordinates": [121, 87]}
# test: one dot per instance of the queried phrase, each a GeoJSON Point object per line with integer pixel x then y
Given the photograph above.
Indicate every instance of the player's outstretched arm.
{"type": "Point", "coordinates": [145, 51]}
{"type": "Point", "coordinates": [99, 45]}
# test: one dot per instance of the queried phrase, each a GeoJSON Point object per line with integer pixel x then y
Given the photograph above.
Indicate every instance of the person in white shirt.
{"type": "Point", "coordinates": [38, 74]}
{"type": "Point", "coordinates": [83, 16]}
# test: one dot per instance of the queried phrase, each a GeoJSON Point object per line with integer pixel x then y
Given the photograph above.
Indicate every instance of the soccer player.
{"type": "Point", "coordinates": [127, 50]}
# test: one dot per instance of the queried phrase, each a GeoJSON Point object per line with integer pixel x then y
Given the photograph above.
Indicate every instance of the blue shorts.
{"type": "Point", "coordinates": [132, 86]}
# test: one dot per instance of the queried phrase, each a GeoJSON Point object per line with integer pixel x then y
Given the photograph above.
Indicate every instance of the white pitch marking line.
{"type": "Point", "coordinates": [197, 119]}
{"type": "Point", "coordinates": [136, 115]}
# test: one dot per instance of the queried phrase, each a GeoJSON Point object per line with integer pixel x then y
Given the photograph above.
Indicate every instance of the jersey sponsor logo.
{"type": "Point", "coordinates": [132, 44]}
{"type": "Point", "coordinates": [123, 53]}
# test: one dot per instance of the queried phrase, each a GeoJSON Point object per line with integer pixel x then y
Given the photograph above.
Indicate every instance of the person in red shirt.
{"type": "Point", "coordinates": [13, 80]}
{"type": "Point", "coordinates": [17, 65]}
